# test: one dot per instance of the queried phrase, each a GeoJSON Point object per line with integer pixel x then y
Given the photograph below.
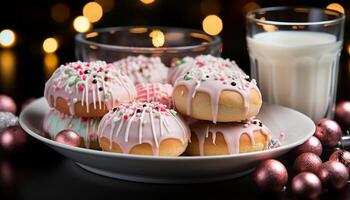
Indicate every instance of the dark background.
{"type": "Point", "coordinates": [40, 173]}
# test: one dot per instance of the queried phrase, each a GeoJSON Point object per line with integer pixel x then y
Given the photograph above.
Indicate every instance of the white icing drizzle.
{"type": "Point", "coordinates": [143, 122]}
{"type": "Point", "coordinates": [231, 131]}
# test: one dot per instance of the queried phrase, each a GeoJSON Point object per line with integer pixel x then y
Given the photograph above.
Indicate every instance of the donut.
{"type": "Point", "coordinates": [88, 89]}
{"type": "Point", "coordinates": [142, 69]}
{"type": "Point", "coordinates": [209, 139]}
{"type": "Point", "coordinates": [216, 93]}
{"type": "Point", "coordinates": [55, 121]}
{"type": "Point", "coordinates": [143, 128]}
{"type": "Point", "coordinates": [182, 66]}
{"type": "Point", "coordinates": [155, 92]}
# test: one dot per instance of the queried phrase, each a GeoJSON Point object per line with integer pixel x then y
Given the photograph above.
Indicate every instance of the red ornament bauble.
{"type": "Point", "coordinates": [12, 139]}
{"type": "Point", "coordinates": [7, 104]}
{"type": "Point", "coordinates": [333, 175]}
{"type": "Point", "coordinates": [307, 162]}
{"type": "Point", "coordinates": [27, 102]}
{"type": "Point", "coordinates": [69, 137]}
{"type": "Point", "coordinates": [271, 176]}
{"type": "Point", "coordinates": [312, 145]}
{"type": "Point", "coordinates": [328, 132]}
{"type": "Point", "coordinates": [306, 185]}
{"type": "Point", "coordinates": [343, 157]}
{"type": "Point", "coordinates": [342, 113]}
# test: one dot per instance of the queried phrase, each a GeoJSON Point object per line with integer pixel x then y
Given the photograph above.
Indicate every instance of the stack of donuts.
{"type": "Point", "coordinates": [137, 105]}
{"type": "Point", "coordinates": [222, 102]}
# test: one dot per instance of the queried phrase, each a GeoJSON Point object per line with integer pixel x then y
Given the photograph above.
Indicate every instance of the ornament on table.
{"type": "Point", "coordinates": [271, 176]}
{"type": "Point", "coordinates": [343, 157]}
{"type": "Point", "coordinates": [12, 139]}
{"type": "Point", "coordinates": [307, 162]}
{"type": "Point", "coordinates": [7, 104]}
{"type": "Point", "coordinates": [342, 113]}
{"type": "Point", "coordinates": [328, 132]}
{"type": "Point", "coordinates": [69, 137]}
{"type": "Point", "coordinates": [333, 175]}
{"type": "Point", "coordinates": [7, 119]}
{"type": "Point", "coordinates": [306, 185]}
{"type": "Point", "coordinates": [312, 145]}
{"type": "Point", "coordinates": [27, 102]}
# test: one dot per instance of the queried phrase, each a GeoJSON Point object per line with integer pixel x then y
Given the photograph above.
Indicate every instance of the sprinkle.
{"type": "Point", "coordinates": [125, 117]}
{"type": "Point", "coordinates": [233, 83]}
{"type": "Point", "coordinates": [81, 88]}
{"type": "Point", "coordinates": [100, 89]}
{"type": "Point", "coordinates": [188, 77]}
{"type": "Point", "coordinates": [94, 81]}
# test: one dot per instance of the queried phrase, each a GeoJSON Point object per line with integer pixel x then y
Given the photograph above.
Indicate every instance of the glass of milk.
{"type": "Point", "coordinates": [294, 55]}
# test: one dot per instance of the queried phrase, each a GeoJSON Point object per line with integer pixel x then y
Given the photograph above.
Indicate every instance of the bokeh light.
{"type": "Point", "coordinates": [158, 38]}
{"type": "Point", "coordinates": [336, 7]}
{"type": "Point", "coordinates": [81, 24]}
{"type": "Point", "coordinates": [250, 6]}
{"type": "Point", "coordinates": [210, 7]}
{"type": "Point", "coordinates": [60, 12]}
{"type": "Point", "coordinates": [107, 5]}
{"type": "Point", "coordinates": [93, 11]}
{"type": "Point", "coordinates": [212, 24]}
{"type": "Point", "coordinates": [267, 27]}
{"type": "Point", "coordinates": [50, 64]}
{"type": "Point", "coordinates": [50, 45]}
{"type": "Point", "coordinates": [147, 1]}
{"type": "Point", "coordinates": [348, 49]}
{"type": "Point", "coordinates": [7, 67]}
{"type": "Point", "coordinates": [7, 38]}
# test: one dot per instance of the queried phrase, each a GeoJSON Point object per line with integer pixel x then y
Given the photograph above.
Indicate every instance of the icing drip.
{"type": "Point", "coordinates": [142, 69]}
{"type": "Point", "coordinates": [212, 77]}
{"type": "Point", "coordinates": [181, 67]}
{"type": "Point", "coordinates": [155, 92]}
{"type": "Point", "coordinates": [142, 122]}
{"type": "Point", "coordinates": [56, 121]}
{"type": "Point", "coordinates": [89, 83]}
{"type": "Point", "coordinates": [231, 131]}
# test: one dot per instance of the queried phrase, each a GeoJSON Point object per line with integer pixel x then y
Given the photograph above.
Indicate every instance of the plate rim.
{"type": "Point", "coordinates": [148, 157]}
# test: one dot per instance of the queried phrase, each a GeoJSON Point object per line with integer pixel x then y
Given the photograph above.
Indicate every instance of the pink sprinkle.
{"type": "Point", "coordinates": [222, 78]}
{"type": "Point", "coordinates": [125, 117]}
{"type": "Point", "coordinates": [281, 136]}
{"type": "Point", "coordinates": [81, 72]}
{"type": "Point", "coordinates": [84, 77]}
{"type": "Point", "coordinates": [200, 64]}
{"type": "Point", "coordinates": [81, 88]}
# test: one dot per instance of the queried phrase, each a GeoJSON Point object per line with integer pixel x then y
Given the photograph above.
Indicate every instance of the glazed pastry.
{"type": "Point", "coordinates": [155, 92]}
{"type": "Point", "coordinates": [216, 93]}
{"type": "Point", "coordinates": [145, 129]}
{"type": "Point", "coordinates": [182, 66]}
{"type": "Point", "coordinates": [142, 69]}
{"type": "Point", "coordinates": [228, 138]}
{"type": "Point", "coordinates": [56, 121]}
{"type": "Point", "coordinates": [88, 89]}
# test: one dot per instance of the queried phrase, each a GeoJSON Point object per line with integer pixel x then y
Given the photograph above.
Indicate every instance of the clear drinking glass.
{"type": "Point", "coordinates": [111, 44]}
{"type": "Point", "coordinates": [294, 54]}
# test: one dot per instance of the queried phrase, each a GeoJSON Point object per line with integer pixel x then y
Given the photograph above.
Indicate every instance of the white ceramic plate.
{"type": "Point", "coordinates": [296, 126]}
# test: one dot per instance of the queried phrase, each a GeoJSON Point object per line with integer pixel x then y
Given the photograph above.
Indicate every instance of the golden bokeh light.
{"type": "Point", "coordinates": [348, 49]}
{"type": "Point", "coordinates": [147, 1]}
{"type": "Point", "coordinates": [7, 38]}
{"type": "Point", "coordinates": [250, 6]}
{"type": "Point", "coordinates": [158, 38]}
{"type": "Point", "coordinates": [336, 7]}
{"type": "Point", "coordinates": [93, 11]}
{"type": "Point", "coordinates": [138, 30]}
{"type": "Point", "coordinates": [267, 27]}
{"type": "Point", "coordinates": [81, 24]}
{"type": "Point", "coordinates": [7, 67]}
{"type": "Point", "coordinates": [50, 64]}
{"type": "Point", "coordinates": [212, 24]}
{"type": "Point", "coordinates": [107, 5]}
{"type": "Point", "coordinates": [50, 45]}
{"type": "Point", "coordinates": [60, 12]}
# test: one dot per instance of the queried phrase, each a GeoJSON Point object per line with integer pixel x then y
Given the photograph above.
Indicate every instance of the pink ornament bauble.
{"type": "Point", "coordinates": [12, 139]}
{"type": "Point", "coordinates": [343, 157]}
{"type": "Point", "coordinates": [342, 113]}
{"type": "Point", "coordinates": [69, 137]}
{"type": "Point", "coordinates": [7, 104]}
{"type": "Point", "coordinates": [312, 145]}
{"type": "Point", "coordinates": [307, 162]}
{"type": "Point", "coordinates": [328, 132]}
{"type": "Point", "coordinates": [333, 175]}
{"type": "Point", "coordinates": [271, 176]}
{"type": "Point", "coordinates": [306, 185]}
{"type": "Point", "coordinates": [27, 102]}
